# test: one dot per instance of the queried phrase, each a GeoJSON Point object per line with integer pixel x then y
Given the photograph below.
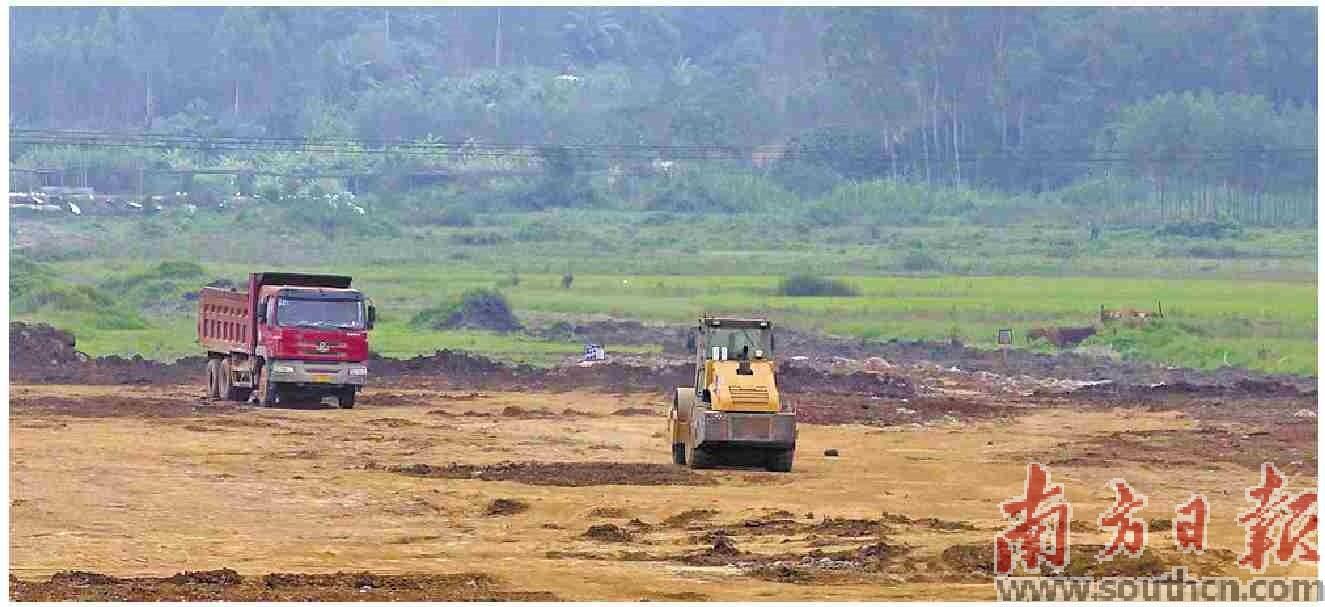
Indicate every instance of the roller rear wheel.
{"type": "Point", "coordinates": [698, 458]}
{"type": "Point", "coordinates": [780, 461]}
{"type": "Point", "coordinates": [213, 379]}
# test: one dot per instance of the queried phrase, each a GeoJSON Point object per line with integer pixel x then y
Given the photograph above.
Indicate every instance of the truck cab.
{"type": "Point", "coordinates": [312, 340]}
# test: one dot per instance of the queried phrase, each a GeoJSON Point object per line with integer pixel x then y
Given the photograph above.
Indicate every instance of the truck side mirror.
{"type": "Point", "coordinates": [372, 315]}
{"type": "Point", "coordinates": [261, 313]}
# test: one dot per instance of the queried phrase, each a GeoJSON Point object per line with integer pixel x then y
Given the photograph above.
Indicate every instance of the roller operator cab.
{"type": "Point", "coordinates": [733, 413]}
{"type": "Point", "coordinates": [289, 336]}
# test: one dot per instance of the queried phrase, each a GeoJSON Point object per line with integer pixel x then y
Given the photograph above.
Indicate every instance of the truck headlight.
{"type": "Point", "coordinates": [358, 370]}
{"type": "Point", "coordinates": [282, 369]}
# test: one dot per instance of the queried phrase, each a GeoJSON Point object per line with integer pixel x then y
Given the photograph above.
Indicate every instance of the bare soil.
{"type": "Point", "coordinates": [227, 585]}
{"type": "Point", "coordinates": [582, 474]}
{"type": "Point", "coordinates": [458, 478]}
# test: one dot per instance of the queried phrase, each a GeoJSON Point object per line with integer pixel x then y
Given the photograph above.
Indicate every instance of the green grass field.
{"type": "Point", "coordinates": [1253, 306]}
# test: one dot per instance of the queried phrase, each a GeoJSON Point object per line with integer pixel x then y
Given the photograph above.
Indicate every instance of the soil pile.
{"type": "Point", "coordinates": [564, 474]}
{"type": "Point", "coordinates": [226, 585]}
{"type": "Point", "coordinates": [452, 367]}
{"type": "Point", "coordinates": [39, 347]}
{"type": "Point", "coordinates": [607, 532]}
{"type": "Point", "coordinates": [40, 353]}
{"type": "Point", "coordinates": [617, 332]}
{"type": "Point", "coordinates": [504, 507]}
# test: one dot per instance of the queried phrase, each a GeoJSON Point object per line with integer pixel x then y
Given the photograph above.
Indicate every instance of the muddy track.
{"type": "Point", "coordinates": [227, 585]}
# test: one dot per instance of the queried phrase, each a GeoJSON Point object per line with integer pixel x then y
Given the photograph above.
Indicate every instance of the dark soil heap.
{"type": "Point", "coordinates": [34, 347]}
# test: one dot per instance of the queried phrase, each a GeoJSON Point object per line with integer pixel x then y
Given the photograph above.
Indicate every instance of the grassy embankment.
{"type": "Point", "coordinates": [1249, 301]}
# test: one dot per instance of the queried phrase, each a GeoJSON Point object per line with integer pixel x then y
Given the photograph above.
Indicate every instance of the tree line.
{"type": "Point", "coordinates": [1213, 109]}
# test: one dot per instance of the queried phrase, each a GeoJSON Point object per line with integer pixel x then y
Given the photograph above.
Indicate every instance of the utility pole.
{"type": "Point", "coordinates": [497, 60]}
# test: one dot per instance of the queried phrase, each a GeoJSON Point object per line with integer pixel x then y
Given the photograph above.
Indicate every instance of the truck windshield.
{"type": "Point", "coordinates": [737, 340]}
{"type": "Point", "coordinates": [324, 313]}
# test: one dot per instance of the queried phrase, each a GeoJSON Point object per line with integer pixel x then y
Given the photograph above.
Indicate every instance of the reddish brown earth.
{"type": "Point", "coordinates": [459, 478]}
{"type": "Point", "coordinates": [227, 585]}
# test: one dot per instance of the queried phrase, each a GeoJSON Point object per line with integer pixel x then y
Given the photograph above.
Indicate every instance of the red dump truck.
{"type": "Point", "coordinates": [289, 336]}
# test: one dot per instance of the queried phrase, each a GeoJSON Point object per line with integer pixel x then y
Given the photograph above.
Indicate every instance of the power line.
{"type": "Point", "coordinates": [540, 151]}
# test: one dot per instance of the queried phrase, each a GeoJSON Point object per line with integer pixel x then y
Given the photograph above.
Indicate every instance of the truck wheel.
{"type": "Point", "coordinates": [698, 458]}
{"type": "Point", "coordinates": [266, 389]}
{"type": "Point", "coordinates": [780, 461]}
{"type": "Point", "coordinates": [346, 398]}
{"type": "Point", "coordinates": [213, 379]}
{"type": "Point", "coordinates": [225, 384]}
{"type": "Point", "coordinates": [679, 454]}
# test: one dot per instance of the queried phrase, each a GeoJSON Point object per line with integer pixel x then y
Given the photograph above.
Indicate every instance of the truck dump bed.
{"type": "Point", "coordinates": [225, 320]}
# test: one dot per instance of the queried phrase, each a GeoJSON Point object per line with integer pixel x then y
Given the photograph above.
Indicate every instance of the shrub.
{"type": "Point", "coordinates": [1213, 252]}
{"type": "Point", "coordinates": [26, 276]}
{"type": "Point", "coordinates": [917, 260]}
{"type": "Point", "coordinates": [64, 298]}
{"type": "Point", "coordinates": [176, 269]}
{"type": "Point", "coordinates": [474, 309]}
{"type": "Point", "coordinates": [805, 285]}
{"type": "Point", "coordinates": [805, 179]}
{"type": "Point", "coordinates": [454, 216]}
{"type": "Point", "coordinates": [699, 191]}
{"type": "Point", "coordinates": [890, 202]}
{"type": "Point", "coordinates": [478, 239]}
{"type": "Point", "coordinates": [543, 231]}
{"type": "Point", "coordinates": [1201, 229]}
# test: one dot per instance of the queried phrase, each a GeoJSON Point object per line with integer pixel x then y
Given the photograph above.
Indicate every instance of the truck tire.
{"type": "Point", "coordinates": [345, 398]}
{"type": "Point", "coordinates": [267, 389]}
{"type": "Point", "coordinates": [780, 460]}
{"type": "Point", "coordinates": [679, 454]}
{"type": "Point", "coordinates": [214, 379]}
{"type": "Point", "coordinates": [225, 384]}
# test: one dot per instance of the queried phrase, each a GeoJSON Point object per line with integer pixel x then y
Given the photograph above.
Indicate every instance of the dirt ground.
{"type": "Point", "coordinates": [444, 489]}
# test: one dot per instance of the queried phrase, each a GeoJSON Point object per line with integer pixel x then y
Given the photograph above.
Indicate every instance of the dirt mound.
{"type": "Point", "coordinates": [1293, 444]}
{"type": "Point", "coordinates": [518, 412]}
{"type": "Point", "coordinates": [634, 412]}
{"type": "Point", "coordinates": [453, 367]}
{"type": "Point", "coordinates": [608, 512]}
{"type": "Point", "coordinates": [82, 578]}
{"type": "Point", "coordinates": [681, 519]}
{"type": "Point", "coordinates": [567, 474]}
{"type": "Point", "coordinates": [607, 532]}
{"type": "Point", "coordinates": [1195, 383]}
{"type": "Point", "coordinates": [39, 353]}
{"type": "Point", "coordinates": [607, 333]}
{"type": "Point", "coordinates": [226, 585]}
{"type": "Point", "coordinates": [805, 379]}
{"type": "Point", "coordinates": [40, 346]}
{"type": "Point", "coordinates": [970, 558]}
{"type": "Point", "coordinates": [504, 507]}
{"type": "Point", "coordinates": [1085, 563]}
{"type": "Point", "coordinates": [391, 422]}
{"type": "Point", "coordinates": [829, 409]}
{"type": "Point", "coordinates": [215, 576]}
{"type": "Point", "coordinates": [118, 406]}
